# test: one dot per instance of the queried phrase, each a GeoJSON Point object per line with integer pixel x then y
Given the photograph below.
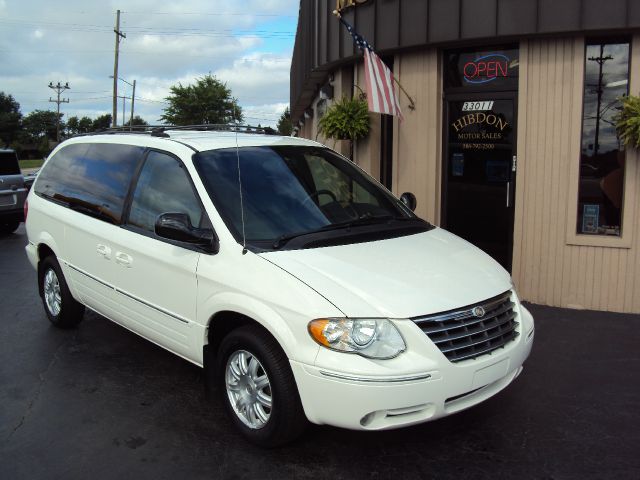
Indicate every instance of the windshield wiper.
{"type": "Point", "coordinates": [366, 219]}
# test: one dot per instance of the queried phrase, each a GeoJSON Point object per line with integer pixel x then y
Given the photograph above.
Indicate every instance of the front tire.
{"type": "Point", "coordinates": [61, 308]}
{"type": "Point", "coordinates": [258, 388]}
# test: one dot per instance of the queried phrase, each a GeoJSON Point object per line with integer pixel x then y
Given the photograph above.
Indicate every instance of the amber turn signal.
{"type": "Point", "coordinates": [316, 330]}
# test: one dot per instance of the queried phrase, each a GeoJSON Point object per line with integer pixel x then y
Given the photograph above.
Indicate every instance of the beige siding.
{"type": "Point", "coordinates": [418, 139]}
{"type": "Point", "coordinates": [551, 264]}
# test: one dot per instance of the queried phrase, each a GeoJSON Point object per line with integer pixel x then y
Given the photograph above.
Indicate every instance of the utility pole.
{"type": "Point", "coordinates": [59, 89]}
{"type": "Point", "coordinates": [133, 99]}
{"type": "Point", "coordinates": [119, 35]}
{"type": "Point", "coordinates": [600, 60]}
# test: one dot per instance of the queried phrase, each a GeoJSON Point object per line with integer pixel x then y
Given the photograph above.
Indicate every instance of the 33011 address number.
{"type": "Point", "coordinates": [477, 106]}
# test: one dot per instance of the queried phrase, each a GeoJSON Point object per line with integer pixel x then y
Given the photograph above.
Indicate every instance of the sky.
{"type": "Point", "coordinates": [246, 44]}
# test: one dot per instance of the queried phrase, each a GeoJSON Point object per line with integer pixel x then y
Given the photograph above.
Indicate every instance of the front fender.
{"type": "Point", "coordinates": [290, 332]}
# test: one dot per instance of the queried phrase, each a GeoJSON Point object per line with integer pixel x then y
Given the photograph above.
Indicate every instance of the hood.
{"type": "Point", "coordinates": [404, 277]}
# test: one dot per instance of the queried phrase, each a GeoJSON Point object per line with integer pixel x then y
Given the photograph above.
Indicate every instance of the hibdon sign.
{"type": "Point", "coordinates": [344, 4]}
{"type": "Point", "coordinates": [480, 138]}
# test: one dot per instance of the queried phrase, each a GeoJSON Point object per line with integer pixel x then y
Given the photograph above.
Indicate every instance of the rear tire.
{"type": "Point", "coordinates": [258, 388]}
{"type": "Point", "coordinates": [9, 227]}
{"type": "Point", "coordinates": [61, 308]}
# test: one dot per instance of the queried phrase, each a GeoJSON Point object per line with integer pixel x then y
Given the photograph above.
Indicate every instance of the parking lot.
{"type": "Point", "coordinates": [100, 402]}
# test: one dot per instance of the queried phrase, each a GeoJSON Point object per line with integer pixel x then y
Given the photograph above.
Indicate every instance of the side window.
{"type": "Point", "coordinates": [91, 178]}
{"type": "Point", "coordinates": [163, 187]}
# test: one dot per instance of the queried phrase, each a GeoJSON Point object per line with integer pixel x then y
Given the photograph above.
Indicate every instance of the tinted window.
{"type": "Point", "coordinates": [289, 190]}
{"type": "Point", "coordinates": [9, 163]}
{"type": "Point", "coordinates": [163, 187]}
{"type": "Point", "coordinates": [91, 178]}
{"type": "Point", "coordinates": [600, 192]}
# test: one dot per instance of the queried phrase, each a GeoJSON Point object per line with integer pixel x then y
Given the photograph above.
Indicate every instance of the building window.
{"type": "Point", "coordinates": [600, 191]}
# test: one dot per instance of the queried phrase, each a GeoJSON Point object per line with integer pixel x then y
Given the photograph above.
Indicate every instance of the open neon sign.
{"type": "Point", "coordinates": [486, 68]}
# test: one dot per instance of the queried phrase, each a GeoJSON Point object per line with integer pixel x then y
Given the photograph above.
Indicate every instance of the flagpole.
{"type": "Point", "coordinates": [412, 104]}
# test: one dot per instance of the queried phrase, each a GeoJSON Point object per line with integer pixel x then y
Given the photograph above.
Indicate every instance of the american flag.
{"type": "Point", "coordinates": [381, 94]}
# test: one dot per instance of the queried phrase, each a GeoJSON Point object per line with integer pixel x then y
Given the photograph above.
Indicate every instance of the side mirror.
{"type": "Point", "coordinates": [409, 200]}
{"type": "Point", "coordinates": [177, 226]}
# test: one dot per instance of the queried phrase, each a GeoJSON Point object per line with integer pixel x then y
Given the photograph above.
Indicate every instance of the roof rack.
{"type": "Point", "coordinates": [161, 130]}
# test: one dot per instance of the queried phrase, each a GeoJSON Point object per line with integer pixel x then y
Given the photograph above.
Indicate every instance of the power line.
{"type": "Point", "coordinates": [216, 14]}
{"type": "Point", "coordinates": [76, 27]}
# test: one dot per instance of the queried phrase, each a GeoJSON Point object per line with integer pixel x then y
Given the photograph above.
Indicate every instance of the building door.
{"type": "Point", "coordinates": [480, 170]}
{"type": "Point", "coordinates": [479, 140]}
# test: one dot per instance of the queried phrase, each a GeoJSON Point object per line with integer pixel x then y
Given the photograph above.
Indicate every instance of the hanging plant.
{"type": "Point", "coordinates": [628, 121]}
{"type": "Point", "coordinates": [346, 119]}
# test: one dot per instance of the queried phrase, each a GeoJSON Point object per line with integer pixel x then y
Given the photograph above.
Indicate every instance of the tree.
{"type": "Point", "coordinates": [102, 122]}
{"type": "Point", "coordinates": [138, 121]}
{"type": "Point", "coordinates": [208, 101]}
{"type": "Point", "coordinates": [41, 124]}
{"type": "Point", "coordinates": [73, 125]}
{"type": "Point", "coordinates": [285, 127]}
{"type": "Point", "coordinates": [10, 118]}
{"type": "Point", "coordinates": [85, 125]}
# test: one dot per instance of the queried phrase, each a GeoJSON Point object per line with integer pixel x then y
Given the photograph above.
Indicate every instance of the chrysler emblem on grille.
{"type": "Point", "coordinates": [478, 312]}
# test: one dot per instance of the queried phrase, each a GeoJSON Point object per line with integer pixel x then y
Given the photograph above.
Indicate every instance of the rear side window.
{"type": "Point", "coordinates": [91, 178]}
{"type": "Point", "coordinates": [9, 163]}
{"type": "Point", "coordinates": [163, 187]}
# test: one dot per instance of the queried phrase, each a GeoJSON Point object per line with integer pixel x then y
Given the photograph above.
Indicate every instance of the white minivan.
{"type": "Point", "coordinates": [305, 289]}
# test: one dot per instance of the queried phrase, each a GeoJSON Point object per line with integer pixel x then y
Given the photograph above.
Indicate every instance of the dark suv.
{"type": "Point", "coordinates": [12, 192]}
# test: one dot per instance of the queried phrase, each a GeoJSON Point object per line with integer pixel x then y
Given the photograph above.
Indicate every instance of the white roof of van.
{"type": "Point", "coordinates": [200, 140]}
{"type": "Point", "coordinates": [211, 140]}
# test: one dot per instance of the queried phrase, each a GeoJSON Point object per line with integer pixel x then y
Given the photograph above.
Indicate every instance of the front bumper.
{"type": "Point", "coordinates": [360, 401]}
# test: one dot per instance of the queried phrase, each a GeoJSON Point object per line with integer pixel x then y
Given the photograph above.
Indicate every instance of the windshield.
{"type": "Point", "coordinates": [289, 191]}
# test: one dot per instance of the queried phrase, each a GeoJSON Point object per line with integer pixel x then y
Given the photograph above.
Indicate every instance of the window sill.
{"type": "Point", "coordinates": [599, 241]}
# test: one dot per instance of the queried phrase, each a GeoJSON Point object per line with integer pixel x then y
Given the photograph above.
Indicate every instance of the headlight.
{"type": "Point", "coordinates": [369, 337]}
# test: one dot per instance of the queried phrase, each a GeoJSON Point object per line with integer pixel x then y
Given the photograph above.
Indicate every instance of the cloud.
{"type": "Point", "coordinates": [248, 46]}
{"type": "Point", "coordinates": [265, 115]}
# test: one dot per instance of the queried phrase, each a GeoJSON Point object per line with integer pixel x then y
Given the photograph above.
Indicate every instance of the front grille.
{"type": "Point", "coordinates": [461, 334]}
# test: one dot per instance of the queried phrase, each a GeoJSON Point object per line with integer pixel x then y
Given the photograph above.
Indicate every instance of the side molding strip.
{"type": "Point", "coordinates": [161, 310]}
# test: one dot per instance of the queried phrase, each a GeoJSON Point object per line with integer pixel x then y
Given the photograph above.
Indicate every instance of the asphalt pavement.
{"type": "Point", "coordinates": [100, 402]}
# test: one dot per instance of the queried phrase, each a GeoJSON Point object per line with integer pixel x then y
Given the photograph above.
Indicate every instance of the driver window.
{"type": "Point", "coordinates": [163, 187]}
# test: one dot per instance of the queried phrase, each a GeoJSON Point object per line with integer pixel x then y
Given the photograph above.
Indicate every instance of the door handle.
{"type": "Point", "coordinates": [104, 251]}
{"type": "Point", "coordinates": [508, 193]}
{"type": "Point", "coordinates": [124, 259]}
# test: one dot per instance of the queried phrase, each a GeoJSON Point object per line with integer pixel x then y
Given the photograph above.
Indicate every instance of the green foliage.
{"type": "Point", "coordinates": [346, 119]}
{"type": "Point", "coordinates": [101, 123]}
{"type": "Point", "coordinates": [85, 124]}
{"type": "Point", "coordinates": [628, 121]}
{"type": "Point", "coordinates": [77, 126]}
{"type": "Point", "coordinates": [73, 125]}
{"type": "Point", "coordinates": [137, 120]}
{"type": "Point", "coordinates": [208, 101]}
{"type": "Point", "coordinates": [41, 124]}
{"type": "Point", "coordinates": [10, 118]}
{"type": "Point", "coordinates": [37, 163]}
{"type": "Point", "coordinates": [285, 127]}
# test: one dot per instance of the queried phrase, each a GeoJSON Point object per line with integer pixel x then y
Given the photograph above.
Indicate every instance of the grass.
{"type": "Point", "coordinates": [37, 163]}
